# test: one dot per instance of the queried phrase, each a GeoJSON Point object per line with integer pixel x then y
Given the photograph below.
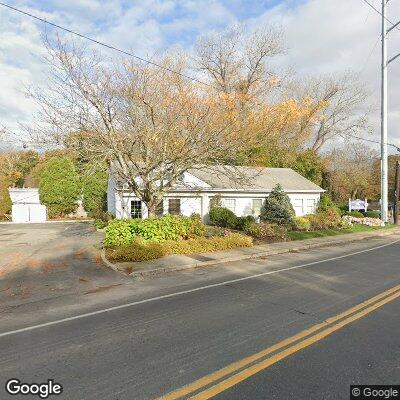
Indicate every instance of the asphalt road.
{"type": "Point", "coordinates": [148, 349]}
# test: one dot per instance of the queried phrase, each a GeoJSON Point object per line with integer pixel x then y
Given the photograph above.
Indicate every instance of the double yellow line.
{"type": "Point", "coordinates": [219, 381]}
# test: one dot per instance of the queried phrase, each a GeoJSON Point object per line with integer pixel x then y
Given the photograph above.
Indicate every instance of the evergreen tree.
{"type": "Point", "coordinates": [277, 207]}
{"type": "Point", "coordinates": [59, 186]}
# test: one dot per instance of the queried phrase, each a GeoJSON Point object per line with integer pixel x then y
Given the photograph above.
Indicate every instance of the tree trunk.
{"type": "Point", "coordinates": [151, 209]}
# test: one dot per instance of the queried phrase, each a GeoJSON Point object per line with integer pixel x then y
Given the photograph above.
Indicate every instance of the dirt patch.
{"type": "Point", "coordinates": [102, 288]}
{"type": "Point", "coordinates": [50, 267]}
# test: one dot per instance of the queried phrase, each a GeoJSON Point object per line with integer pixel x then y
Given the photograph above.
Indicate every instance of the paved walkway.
{"type": "Point", "coordinates": [182, 262]}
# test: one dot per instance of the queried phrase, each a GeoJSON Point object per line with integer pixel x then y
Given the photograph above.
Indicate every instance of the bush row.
{"type": "Point", "coordinates": [169, 227]}
{"type": "Point", "coordinates": [367, 214]}
{"type": "Point", "coordinates": [142, 250]}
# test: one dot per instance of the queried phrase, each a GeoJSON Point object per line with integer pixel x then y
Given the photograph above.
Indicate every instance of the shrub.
{"type": "Point", "coordinates": [5, 200]}
{"type": "Point", "coordinates": [325, 203]}
{"type": "Point", "coordinates": [141, 250]}
{"type": "Point", "coordinates": [372, 214]}
{"type": "Point", "coordinates": [277, 207]}
{"type": "Point", "coordinates": [343, 208]}
{"type": "Point", "coordinates": [345, 224]}
{"type": "Point", "coordinates": [94, 189]}
{"type": "Point", "coordinates": [223, 217]}
{"type": "Point", "coordinates": [59, 186]}
{"type": "Point", "coordinates": [169, 227]}
{"type": "Point", "coordinates": [302, 224]}
{"type": "Point", "coordinates": [324, 220]}
{"type": "Point", "coordinates": [243, 222]}
{"type": "Point", "coordinates": [265, 230]}
{"type": "Point", "coordinates": [316, 222]}
{"type": "Point", "coordinates": [216, 231]}
{"type": "Point", "coordinates": [101, 218]}
{"type": "Point", "coordinates": [118, 233]}
{"type": "Point", "coordinates": [330, 218]}
{"type": "Point", "coordinates": [356, 214]}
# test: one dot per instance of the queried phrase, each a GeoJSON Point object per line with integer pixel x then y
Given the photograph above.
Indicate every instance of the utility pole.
{"type": "Point", "coordinates": [396, 194]}
{"type": "Point", "coordinates": [384, 156]}
{"type": "Point", "coordinates": [384, 109]}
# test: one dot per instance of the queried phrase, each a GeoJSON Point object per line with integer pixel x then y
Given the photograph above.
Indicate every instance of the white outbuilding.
{"type": "Point", "coordinates": [26, 205]}
{"type": "Point", "coordinates": [197, 188]}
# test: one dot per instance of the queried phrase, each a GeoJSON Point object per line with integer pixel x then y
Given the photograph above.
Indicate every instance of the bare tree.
{"type": "Point", "coordinates": [149, 124]}
{"type": "Point", "coordinates": [338, 107]}
{"type": "Point", "coordinates": [236, 62]}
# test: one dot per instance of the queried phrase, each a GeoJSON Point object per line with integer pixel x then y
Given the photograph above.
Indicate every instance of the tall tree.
{"type": "Point", "coordinates": [235, 60]}
{"type": "Point", "coordinates": [351, 172]}
{"type": "Point", "coordinates": [337, 109]}
{"type": "Point", "coordinates": [59, 186]}
{"type": "Point", "coordinates": [150, 124]}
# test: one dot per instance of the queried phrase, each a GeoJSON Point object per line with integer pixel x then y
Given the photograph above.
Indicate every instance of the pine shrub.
{"type": "Point", "coordinates": [277, 207]}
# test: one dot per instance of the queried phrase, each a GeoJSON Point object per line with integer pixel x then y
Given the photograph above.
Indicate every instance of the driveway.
{"type": "Point", "coordinates": [42, 261]}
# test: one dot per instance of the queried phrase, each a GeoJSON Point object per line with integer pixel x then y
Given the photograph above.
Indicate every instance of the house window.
{"type": "Point", "coordinates": [230, 204]}
{"type": "Point", "coordinates": [136, 209]}
{"type": "Point", "coordinates": [310, 206]}
{"type": "Point", "coordinates": [174, 206]}
{"type": "Point", "coordinates": [298, 206]}
{"type": "Point", "coordinates": [256, 205]}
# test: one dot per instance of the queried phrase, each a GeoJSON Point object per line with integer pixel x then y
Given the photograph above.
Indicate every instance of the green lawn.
{"type": "Point", "coordinates": [294, 235]}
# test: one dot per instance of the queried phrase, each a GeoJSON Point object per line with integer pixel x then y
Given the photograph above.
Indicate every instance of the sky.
{"type": "Point", "coordinates": [322, 37]}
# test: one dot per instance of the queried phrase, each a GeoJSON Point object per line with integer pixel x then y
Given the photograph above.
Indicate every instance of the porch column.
{"type": "Point", "coordinates": [205, 207]}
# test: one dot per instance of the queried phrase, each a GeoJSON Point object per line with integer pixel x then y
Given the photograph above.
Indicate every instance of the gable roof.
{"type": "Point", "coordinates": [253, 178]}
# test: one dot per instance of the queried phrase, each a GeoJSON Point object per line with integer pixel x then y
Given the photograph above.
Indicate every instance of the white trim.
{"type": "Point", "coordinates": [173, 192]}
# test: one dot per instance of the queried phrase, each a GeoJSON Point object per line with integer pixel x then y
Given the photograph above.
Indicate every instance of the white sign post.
{"type": "Point", "coordinates": [358, 204]}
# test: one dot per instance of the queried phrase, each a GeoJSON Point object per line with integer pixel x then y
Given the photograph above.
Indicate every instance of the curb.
{"type": "Point", "coordinates": [70, 221]}
{"type": "Point", "coordinates": [108, 263]}
{"type": "Point", "coordinates": [298, 247]}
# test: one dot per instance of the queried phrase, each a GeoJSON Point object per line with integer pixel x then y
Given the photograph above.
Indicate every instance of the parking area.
{"type": "Point", "coordinates": [40, 261]}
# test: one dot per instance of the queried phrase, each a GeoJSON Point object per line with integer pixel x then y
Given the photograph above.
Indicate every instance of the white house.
{"type": "Point", "coordinates": [26, 205]}
{"type": "Point", "coordinates": [197, 187]}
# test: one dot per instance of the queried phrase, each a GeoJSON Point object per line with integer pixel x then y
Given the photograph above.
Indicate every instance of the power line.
{"type": "Point", "coordinates": [108, 46]}
{"type": "Point", "coordinates": [387, 19]}
{"type": "Point", "coordinates": [372, 141]}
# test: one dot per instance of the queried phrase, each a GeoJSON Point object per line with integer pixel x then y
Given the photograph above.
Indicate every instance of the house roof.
{"type": "Point", "coordinates": [253, 178]}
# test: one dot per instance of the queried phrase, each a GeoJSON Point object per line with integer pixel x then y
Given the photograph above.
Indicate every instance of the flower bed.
{"type": "Point", "coordinates": [142, 250]}
{"type": "Point", "coordinates": [363, 221]}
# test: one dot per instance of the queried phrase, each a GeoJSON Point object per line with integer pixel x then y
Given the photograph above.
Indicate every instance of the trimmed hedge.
{"type": "Point", "coordinates": [243, 222]}
{"type": "Point", "coordinates": [141, 250]}
{"type": "Point", "coordinates": [169, 227]}
{"type": "Point", "coordinates": [223, 217]}
{"type": "Point", "coordinates": [356, 214]}
{"type": "Point", "coordinates": [372, 214]}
